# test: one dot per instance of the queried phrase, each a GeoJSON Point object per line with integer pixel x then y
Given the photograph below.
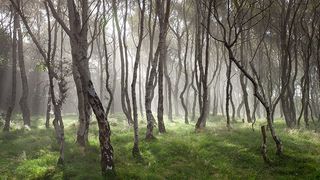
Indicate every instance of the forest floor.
{"type": "Point", "coordinates": [181, 153]}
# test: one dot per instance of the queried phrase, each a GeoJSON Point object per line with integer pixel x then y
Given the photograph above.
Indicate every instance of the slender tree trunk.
{"type": "Point", "coordinates": [176, 86]}
{"type": "Point", "coordinates": [57, 104]}
{"type": "Point", "coordinates": [126, 108]}
{"type": "Point", "coordinates": [151, 80]}
{"type": "Point", "coordinates": [243, 81]}
{"type": "Point", "coordinates": [169, 90]}
{"type": "Point", "coordinates": [140, 91]}
{"type": "Point", "coordinates": [126, 92]}
{"type": "Point", "coordinates": [114, 55]}
{"type": "Point", "coordinates": [195, 95]}
{"type": "Point", "coordinates": [135, 150]}
{"type": "Point", "coordinates": [12, 102]}
{"type": "Point", "coordinates": [228, 93]}
{"type": "Point", "coordinates": [185, 65]}
{"type": "Point", "coordinates": [239, 108]}
{"type": "Point", "coordinates": [201, 123]}
{"type": "Point", "coordinates": [106, 55]}
{"type": "Point", "coordinates": [255, 105]}
{"type": "Point", "coordinates": [24, 80]}
{"type": "Point", "coordinates": [232, 103]}
{"type": "Point", "coordinates": [48, 109]}
{"type": "Point", "coordinates": [163, 13]}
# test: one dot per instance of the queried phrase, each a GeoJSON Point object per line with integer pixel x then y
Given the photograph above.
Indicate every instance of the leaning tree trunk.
{"type": "Point", "coordinates": [269, 110]}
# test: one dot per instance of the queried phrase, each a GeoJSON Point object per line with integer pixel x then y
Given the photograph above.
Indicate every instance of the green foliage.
{"type": "Point", "coordinates": [214, 153]}
{"type": "Point", "coordinates": [40, 67]}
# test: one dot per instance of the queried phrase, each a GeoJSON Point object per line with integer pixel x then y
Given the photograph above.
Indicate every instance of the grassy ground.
{"type": "Point", "coordinates": [214, 153]}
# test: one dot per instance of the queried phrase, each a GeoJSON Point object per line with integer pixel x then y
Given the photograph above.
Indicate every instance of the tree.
{"type": "Point", "coordinates": [48, 59]}
{"type": "Point", "coordinates": [125, 102]}
{"type": "Point", "coordinates": [151, 80]}
{"type": "Point", "coordinates": [14, 72]}
{"type": "Point", "coordinates": [163, 13]}
{"type": "Point", "coordinates": [184, 104]}
{"type": "Point", "coordinates": [201, 123]}
{"type": "Point", "coordinates": [78, 40]}
{"type": "Point", "coordinates": [230, 30]}
{"type": "Point", "coordinates": [135, 150]}
{"type": "Point", "coordinates": [24, 80]}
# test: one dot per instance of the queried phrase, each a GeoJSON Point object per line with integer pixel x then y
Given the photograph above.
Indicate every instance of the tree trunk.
{"type": "Point", "coordinates": [185, 65]}
{"type": "Point", "coordinates": [163, 13]}
{"type": "Point", "coordinates": [83, 129]}
{"type": "Point", "coordinates": [162, 57]}
{"type": "Point", "coordinates": [176, 86]}
{"type": "Point", "coordinates": [114, 57]}
{"type": "Point", "coordinates": [243, 81]}
{"type": "Point", "coordinates": [48, 110]}
{"type": "Point", "coordinates": [151, 80]}
{"type": "Point", "coordinates": [12, 102]}
{"type": "Point", "coordinates": [195, 95]}
{"type": "Point", "coordinates": [25, 89]}
{"type": "Point", "coordinates": [135, 149]}
{"type": "Point", "coordinates": [79, 47]}
{"type": "Point", "coordinates": [126, 108]}
{"type": "Point", "coordinates": [232, 103]}
{"type": "Point", "coordinates": [201, 123]}
{"type": "Point", "coordinates": [169, 90]}
{"type": "Point", "coordinates": [140, 91]}
{"type": "Point", "coordinates": [287, 101]}
{"type": "Point", "coordinates": [228, 93]}
{"type": "Point", "coordinates": [239, 108]}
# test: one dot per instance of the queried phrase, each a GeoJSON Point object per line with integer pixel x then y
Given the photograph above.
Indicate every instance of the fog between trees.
{"type": "Point", "coordinates": [156, 61]}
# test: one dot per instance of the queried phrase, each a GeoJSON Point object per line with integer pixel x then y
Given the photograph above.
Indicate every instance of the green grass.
{"type": "Point", "coordinates": [181, 153]}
